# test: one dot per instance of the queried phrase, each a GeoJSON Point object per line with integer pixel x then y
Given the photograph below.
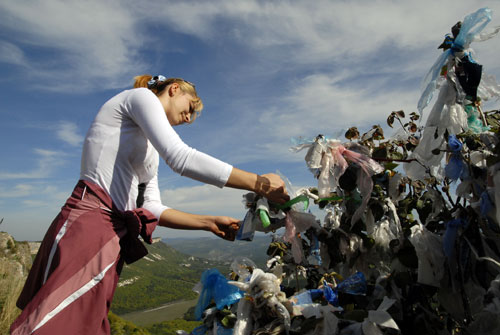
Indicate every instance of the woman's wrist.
{"type": "Point", "coordinates": [262, 185]}
{"type": "Point", "coordinates": [207, 222]}
{"type": "Point", "coordinates": [269, 185]}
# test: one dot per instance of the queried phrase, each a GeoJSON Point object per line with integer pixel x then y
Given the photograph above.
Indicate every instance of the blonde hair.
{"type": "Point", "coordinates": [185, 86]}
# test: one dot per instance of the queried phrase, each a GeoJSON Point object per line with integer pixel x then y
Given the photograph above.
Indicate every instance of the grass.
{"type": "Point", "coordinates": [9, 292]}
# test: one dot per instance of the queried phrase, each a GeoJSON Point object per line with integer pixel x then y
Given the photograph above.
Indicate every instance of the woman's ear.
{"type": "Point", "coordinates": [173, 89]}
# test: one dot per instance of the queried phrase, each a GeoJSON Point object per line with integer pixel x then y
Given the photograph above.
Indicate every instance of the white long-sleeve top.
{"type": "Point", "coordinates": [122, 148]}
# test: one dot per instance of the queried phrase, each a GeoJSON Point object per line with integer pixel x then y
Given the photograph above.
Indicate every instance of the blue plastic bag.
{"type": "Point", "coordinates": [455, 166]}
{"type": "Point", "coordinates": [247, 228]}
{"type": "Point", "coordinates": [330, 295]}
{"type": "Point", "coordinates": [355, 284]}
{"type": "Point", "coordinates": [215, 287]}
{"type": "Point", "coordinates": [472, 25]}
{"type": "Point", "coordinates": [450, 235]}
{"type": "Point", "coordinates": [486, 204]}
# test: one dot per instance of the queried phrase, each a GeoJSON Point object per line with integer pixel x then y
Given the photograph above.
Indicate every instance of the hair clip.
{"type": "Point", "coordinates": [155, 80]}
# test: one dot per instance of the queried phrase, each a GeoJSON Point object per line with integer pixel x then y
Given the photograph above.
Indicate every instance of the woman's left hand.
{"type": "Point", "coordinates": [225, 227]}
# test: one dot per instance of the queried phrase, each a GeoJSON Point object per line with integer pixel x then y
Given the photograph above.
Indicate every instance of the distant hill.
{"type": "Point", "coordinates": [163, 276]}
{"type": "Point", "coordinates": [223, 251]}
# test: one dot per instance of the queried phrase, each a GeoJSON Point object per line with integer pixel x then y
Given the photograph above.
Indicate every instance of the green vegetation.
{"type": "Point", "coordinates": [164, 275]}
{"type": "Point", "coordinates": [170, 327]}
{"type": "Point", "coordinates": [151, 292]}
{"type": "Point", "coordinates": [225, 251]}
{"type": "Point", "coordinates": [120, 326]}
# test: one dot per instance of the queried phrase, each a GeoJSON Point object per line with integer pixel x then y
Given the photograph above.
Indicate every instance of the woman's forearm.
{"type": "Point", "coordinates": [222, 226]}
{"type": "Point", "coordinates": [175, 219]}
{"type": "Point", "coordinates": [244, 180]}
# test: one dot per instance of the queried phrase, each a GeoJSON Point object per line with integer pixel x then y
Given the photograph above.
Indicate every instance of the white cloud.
{"type": "Point", "coordinates": [318, 104]}
{"type": "Point", "coordinates": [34, 203]}
{"type": "Point", "coordinates": [19, 190]}
{"type": "Point", "coordinates": [206, 199]}
{"type": "Point", "coordinates": [324, 32]}
{"type": "Point", "coordinates": [89, 41]}
{"type": "Point", "coordinates": [30, 207]}
{"type": "Point", "coordinates": [46, 162]}
{"type": "Point", "coordinates": [68, 132]}
{"type": "Point", "coordinates": [100, 42]}
{"type": "Point", "coordinates": [10, 53]}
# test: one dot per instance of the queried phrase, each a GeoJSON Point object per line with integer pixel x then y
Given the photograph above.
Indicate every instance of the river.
{"type": "Point", "coordinates": [170, 311]}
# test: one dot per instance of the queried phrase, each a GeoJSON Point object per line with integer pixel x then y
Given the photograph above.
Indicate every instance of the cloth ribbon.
{"type": "Point", "coordinates": [365, 184]}
{"type": "Point", "coordinates": [334, 163]}
{"type": "Point", "coordinates": [296, 222]}
{"type": "Point", "coordinates": [472, 26]}
{"type": "Point", "coordinates": [339, 157]}
{"type": "Point", "coordinates": [291, 237]}
{"type": "Point", "coordinates": [333, 167]}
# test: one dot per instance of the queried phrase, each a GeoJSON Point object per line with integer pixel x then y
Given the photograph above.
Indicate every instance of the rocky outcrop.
{"type": "Point", "coordinates": [15, 262]}
{"type": "Point", "coordinates": [34, 246]}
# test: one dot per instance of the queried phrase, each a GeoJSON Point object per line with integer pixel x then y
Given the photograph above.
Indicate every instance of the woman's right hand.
{"type": "Point", "coordinates": [225, 227]}
{"type": "Point", "coordinates": [269, 185]}
{"type": "Point", "coordinates": [272, 187]}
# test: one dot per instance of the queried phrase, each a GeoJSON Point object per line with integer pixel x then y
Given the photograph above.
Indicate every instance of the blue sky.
{"type": "Point", "coordinates": [266, 71]}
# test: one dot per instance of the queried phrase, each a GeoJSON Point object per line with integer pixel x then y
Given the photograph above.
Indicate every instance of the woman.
{"type": "Point", "coordinates": [73, 278]}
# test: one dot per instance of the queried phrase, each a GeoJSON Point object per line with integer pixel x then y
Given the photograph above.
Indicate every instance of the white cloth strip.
{"type": "Point", "coordinates": [106, 209]}
{"type": "Point", "coordinates": [77, 294]}
{"type": "Point", "coordinates": [58, 238]}
{"type": "Point", "coordinates": [83, 193]}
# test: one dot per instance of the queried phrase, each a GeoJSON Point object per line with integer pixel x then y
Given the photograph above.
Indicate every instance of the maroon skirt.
{"type": "Point", "coordinates": [73, 278]}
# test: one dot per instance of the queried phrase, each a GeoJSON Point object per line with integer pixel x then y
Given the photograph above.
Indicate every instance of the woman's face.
{"type": "Point", "coordinates": [180, 107]}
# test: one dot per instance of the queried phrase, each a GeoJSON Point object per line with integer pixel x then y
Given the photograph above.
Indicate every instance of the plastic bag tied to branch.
{"type": "Point", "coordinates": [215, 287]}
{"type": "Point", "coordinates": [471, 28]}
{"type": "Point", "coordinates": [455, 166]}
